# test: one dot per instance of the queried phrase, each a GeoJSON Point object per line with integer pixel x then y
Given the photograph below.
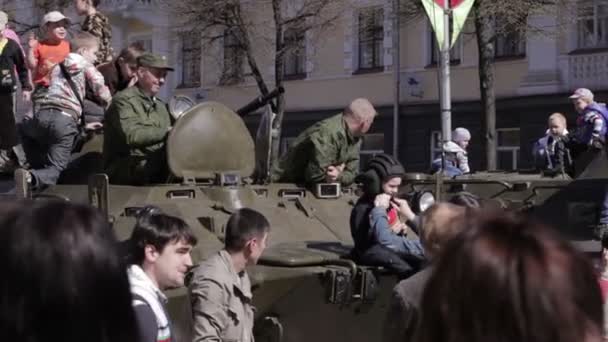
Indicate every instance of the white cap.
{"type": "Point", "coordinates": [53, 17]}
{"type": "Point", "coordinates": [3, 20]}
{"type": "Point", "coordinates": [461, 134]}
{"type": "Point", "coordinates": [582, 92]}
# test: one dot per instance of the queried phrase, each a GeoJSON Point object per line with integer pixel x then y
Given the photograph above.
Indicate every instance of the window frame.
{"type": "Point", "coordinates": [435, 149]}
{"type": "Point", "coordinates": [295, 56]}
{"type": "Point", "coordinates": [596, 20]}
{"type": "Point", "coordinates": [233, 49]}
{"type": "Point", "coordinates": [370, 36]}
{"type": "Point", "coordinates": [515, 150]}
{"type": "Point", "coordinates": [194, 51]}
{"type": "Point", "coordinates": [506, 39]}
{"type": "Point", "coordinates": [434, 48]}
{"type": "Point", "coordinates": [369, 152]}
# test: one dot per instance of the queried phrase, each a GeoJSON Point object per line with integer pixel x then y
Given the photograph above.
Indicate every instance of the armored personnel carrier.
{"type": "Point", "coordinates": [306, 288]}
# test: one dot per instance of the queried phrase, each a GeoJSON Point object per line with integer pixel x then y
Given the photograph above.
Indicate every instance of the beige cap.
{"type": "Point", "coordinates": [3, 20]}
{"type": "Point", "coordinates": [582, 92]}
{"type": "Point", "coordinates": [53, 17]}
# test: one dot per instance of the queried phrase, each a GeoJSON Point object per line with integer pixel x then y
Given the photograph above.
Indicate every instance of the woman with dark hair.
{"type": "Point", "coordinates": [375, 225]}
{"type": "Point", "coordinates": [509, 279]}
{"type": "Point", "coordinates": [63, 279]}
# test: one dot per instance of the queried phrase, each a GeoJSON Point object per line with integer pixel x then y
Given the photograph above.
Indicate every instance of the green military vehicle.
{"type": "Point", "coordinates": [306, 288]}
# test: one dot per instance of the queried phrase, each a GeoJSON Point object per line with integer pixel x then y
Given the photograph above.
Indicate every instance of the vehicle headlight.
{"type": "Point", "coordinates": [179, 104]}
{"type": "Point", "coordinates": [425, 200]}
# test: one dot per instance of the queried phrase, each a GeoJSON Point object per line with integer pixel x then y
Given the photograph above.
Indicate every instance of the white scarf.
{"type": "Point", "coordinates": [141, 285]}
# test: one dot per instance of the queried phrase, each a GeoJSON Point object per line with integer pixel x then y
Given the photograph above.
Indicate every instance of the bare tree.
{"type": "Point", "coordinates": [493, 20]}
{"type": "Point", "coordinates": [239, 21]}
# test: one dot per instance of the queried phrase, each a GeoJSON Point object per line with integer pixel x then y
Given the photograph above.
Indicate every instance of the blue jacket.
{"type": "Point", "coordinates": [586, 119]}
{"type": "Point", "coordinates": [383, 235]}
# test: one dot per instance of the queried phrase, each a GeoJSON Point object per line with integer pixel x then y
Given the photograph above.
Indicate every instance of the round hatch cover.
{"type": "Point", "coordinates": [209, 139]}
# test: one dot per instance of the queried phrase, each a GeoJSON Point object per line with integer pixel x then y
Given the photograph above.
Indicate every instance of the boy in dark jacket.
{"type": "Point", "coordinates": [11, 59]}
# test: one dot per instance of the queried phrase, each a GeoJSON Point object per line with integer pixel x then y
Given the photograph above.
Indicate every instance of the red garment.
{"type": "Point", "coordinates": [48, 56]}
{"type": "Point", "coordinates": [393, 216]}
{"type": "Point", "coordinates": [604, 287]}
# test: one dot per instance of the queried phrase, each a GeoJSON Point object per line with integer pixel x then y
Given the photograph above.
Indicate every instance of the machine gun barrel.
{"type": "Point", "coordinates": [259, 102]}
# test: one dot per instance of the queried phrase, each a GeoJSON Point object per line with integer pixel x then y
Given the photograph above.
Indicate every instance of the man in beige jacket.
{"type": "Point", "coordinates": [220, 290]}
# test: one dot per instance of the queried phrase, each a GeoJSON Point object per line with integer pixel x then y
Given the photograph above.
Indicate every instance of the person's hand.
{"type": "Point", "coordinates": [26, 95]}
{"type": "Point", "coordinates": [92, 126]}
{"type": "Point", "coordinates": [399, 228]}
{"type": "Point", "coordinates": [133, 81]}
{"type": "Point", "coordinates": [332, 174]}
{"type": "Point", "coordinates": [596, 143]}
{"type": "Point", "coordinates": [32, 41]}
{"type": "Point", "coordinates": [341, 167]}
{"type": "Point", "coordinates": [382, 200]}
{"type": "Point", "coordinates": [403, 207]}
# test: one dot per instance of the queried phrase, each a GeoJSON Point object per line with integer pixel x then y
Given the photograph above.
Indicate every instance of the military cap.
{"type": "Point", "coordinates": [153, 61]}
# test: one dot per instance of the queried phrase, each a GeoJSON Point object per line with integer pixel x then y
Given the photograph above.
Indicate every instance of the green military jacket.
{"type": "Point", "coordinates": [135, 130]}
{"type": "Point", "coordinates": [328, 142]}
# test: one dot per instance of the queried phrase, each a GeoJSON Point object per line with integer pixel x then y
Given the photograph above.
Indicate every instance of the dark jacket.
{"type": "Point", "coordinates": [11, 58]}
{"type": "Point", "coordinates": [403, 313]}
{"type": "Point", "coordinates": [113, 77]}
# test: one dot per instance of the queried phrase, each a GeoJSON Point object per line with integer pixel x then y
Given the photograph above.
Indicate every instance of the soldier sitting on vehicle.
{"type": "Point", "coordinates": [551, 153]}
{"type": "Point", "coordinates": [136, 128]}
{"type": "Point", "coordinates": [329, 150]}
{"type": "Point", "coordinates": [379, 235]}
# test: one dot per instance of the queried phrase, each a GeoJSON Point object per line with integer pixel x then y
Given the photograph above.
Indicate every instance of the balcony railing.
{"type": "Point", "coordinates": [121, 5]}
{"type": "Point", "coordinates": [588, 70]}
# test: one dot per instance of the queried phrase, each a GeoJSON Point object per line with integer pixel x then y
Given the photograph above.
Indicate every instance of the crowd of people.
{"type": "Point", "coordinates": [76, 85]}
{"type": "Point", "coordinates": [479, 275]}
{"type": "Point", "coordinates": [466, 274]}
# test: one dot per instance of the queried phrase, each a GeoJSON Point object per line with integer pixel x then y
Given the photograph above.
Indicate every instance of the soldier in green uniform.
{"type": "Point", "coordinates": [136, 127]}
{"type": "Point", "coordinates": [328, 151]}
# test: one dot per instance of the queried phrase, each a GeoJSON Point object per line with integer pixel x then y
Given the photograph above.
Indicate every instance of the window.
{"type": "Point", "coordinates": [509, 43]}
{"type": "Point", "coordinates": [592, 25]}
{"type": "Point", "coordinates": [507, 149]}
{"type": "Point", "coordinates": [435, 145]}
{"type": "Point", "coordinates": [455, 52]}
{"type": "Point", "coordinates": [372, 145]}
{"type": "Point", "coordinates": [191, 60]}
{"type": "Point", "coordinates": [371, 38]}
{"type": "Point", "coordinates": [295, 57]}
{"type": "Point", "coordinates": [233, 58]}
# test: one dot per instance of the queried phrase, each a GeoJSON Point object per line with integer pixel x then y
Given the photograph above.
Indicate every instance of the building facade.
{"type": "Point", "coordinates": [534, 72]}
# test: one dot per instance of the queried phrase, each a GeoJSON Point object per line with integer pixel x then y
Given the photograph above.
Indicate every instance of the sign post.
{"type": "Point", "coordinates": [441, 14]}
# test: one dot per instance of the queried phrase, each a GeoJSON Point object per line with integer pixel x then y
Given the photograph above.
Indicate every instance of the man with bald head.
{"type": "Point", "coordinates": [328, 151]}
{"type": "Point", "coordinates": [440, 223]}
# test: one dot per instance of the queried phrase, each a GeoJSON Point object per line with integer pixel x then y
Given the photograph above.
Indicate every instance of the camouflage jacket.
{"type": "Point", "coordinates": [99, 26]}
{"type": "Point", "coordinates": [135, 129]}
{"type": "Point", "coordinates": [326, 143]}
